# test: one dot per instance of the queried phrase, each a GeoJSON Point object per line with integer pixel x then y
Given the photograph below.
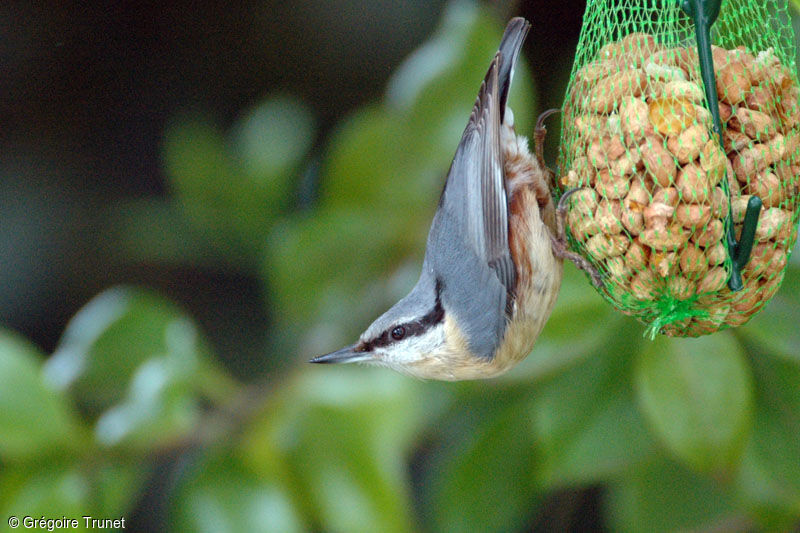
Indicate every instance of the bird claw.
{"type": "Point", "coordinates": [539, 134]}
{"type": "Point", "coordinates": [561, 251]}
{"type": "Point", "coordinates": [561, 248]}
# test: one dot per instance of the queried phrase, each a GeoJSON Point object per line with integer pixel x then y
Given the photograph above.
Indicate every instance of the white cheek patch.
{"type": "Point", "coordinates": [412, 349]}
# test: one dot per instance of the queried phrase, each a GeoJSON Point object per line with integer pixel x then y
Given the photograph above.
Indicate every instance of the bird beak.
{"type": "Point", "coordinates": [345, 355]}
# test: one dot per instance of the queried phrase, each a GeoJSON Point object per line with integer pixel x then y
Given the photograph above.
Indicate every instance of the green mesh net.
{"type": "Point", "coordinates": [658, 190]}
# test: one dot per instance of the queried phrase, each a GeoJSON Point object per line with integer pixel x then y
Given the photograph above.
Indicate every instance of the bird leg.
{"type": "Point", "coordinates": [561, 248]}
{"type": "Point", "coordinates": [559, 240]}
{"type": "Point", "coordinates": [539, 134]}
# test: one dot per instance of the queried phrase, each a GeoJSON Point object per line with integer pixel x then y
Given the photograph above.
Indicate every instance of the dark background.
{"type": "Point", "coordinates": [87, 91]}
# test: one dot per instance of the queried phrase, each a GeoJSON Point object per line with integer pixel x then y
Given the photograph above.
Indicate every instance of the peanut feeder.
{"type": "Point", "coordinates": [663, 197]}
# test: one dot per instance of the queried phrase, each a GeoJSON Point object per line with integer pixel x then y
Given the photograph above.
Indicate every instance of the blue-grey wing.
{"type": "Point", "coordinates": [475, 193]}
{"type": "Point", "coordinates": [468, 246]}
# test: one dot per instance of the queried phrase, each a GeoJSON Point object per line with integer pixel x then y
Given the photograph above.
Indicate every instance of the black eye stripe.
{"type": "Point", "coordinates": [410, 329]}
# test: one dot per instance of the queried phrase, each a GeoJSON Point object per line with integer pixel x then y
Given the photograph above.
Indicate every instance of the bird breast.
{"type": "Point", "coordinates": [531, 223]}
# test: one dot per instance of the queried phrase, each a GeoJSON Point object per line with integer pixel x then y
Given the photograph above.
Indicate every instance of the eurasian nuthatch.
{"type": "Point", "coordinates": [492, 267]}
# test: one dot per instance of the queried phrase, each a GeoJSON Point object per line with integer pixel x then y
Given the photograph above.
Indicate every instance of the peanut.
{"type": "Point", "coordinates": [631, 50]}
{"type": "Point", "coordinates": [712, 160]}
{"type": "Point", "coordinates": [693, 260]}
{"type": "Point", "coordinates": [732, 79]}
{"type": "Point", "coordinates": [657, 185]}
{"type": "Point", "coordinates": [609, 92]}
{"type": "Point", "coordinates": [718, 312]}
{"type": "Point", "coordinates": [656, 215]}
{"type": "Point", "coordinates": [788, 108]}
{"type": "Point", "coordinates": [617, 267]}
{"type": "Point", "coordinates": [713, 281]}
{"type": "Point", "coordinates": [608, 215]}
{"type": "Point", "coordinates": [583, 201]}
{"type": "Point", "coordinates": [664, 263]}
{"type": "Point", "coordinates": [636, 256]}
{"type": "Point", "coordinates": [685, 58]}
{"type": "Point", "coordinates": [778, 262]}
{"type": "Point", "coordinates": [680, 288]}
{"type": "Point", "coordinates": [667, 195]}
{"type": "Point", "coordinates": [739, 208]}
{"type": "Point", "coordinates": [725, 111]}
{"type": "Point", "coordinates": [693, 184]}
{"type": "Point", "coordinates": [670, 238]}
{"type": "Point", "coordinates": [637, 198]}
{"type": "Point", "coordinates": [671, 116]}
{"type": "Point", "coordinates": [768, 187]}
{"type": "Point", "coordinates": [716, 253]}
{"type": "Point", "coordinates": [754, 124]}
{"type": "Point", "coordinates": [633, 114]}
{"type": "Point", "coordinates": [693, 215]}
{"type": "Point", "coordinates": [770, 223]}
{"type": "Point", "coordinates": [684, 89]}
{"type": "Point", "coordinates": [584, 228]}
{"type": "Point", "coordinates": [604, 150]}
{"type": "Point", "coordinates": [710, 234]}
{"type": "Point", "coordinates": [599, 246]}
{"type": "Point", "coordinates": [645, 285]}
{"type": "Point", "coordinates": [589, 126]}
{"type": "Point", "coordinates": [688, 144]}
{"type": "Point", "coordinates": [602, 246]}
{"type": "Point", "coordinates": [614, 186]}
{"type": "Point", "coordinates": [760, 259]}
{"type": "Point", "coordinates": [632, 220]}
{"type": "Point", "coordinates": [719, 202]}
{"type": "Point", "coordinates": [658, 161]}
{"type": "Point", "coordinates": [735, 140]}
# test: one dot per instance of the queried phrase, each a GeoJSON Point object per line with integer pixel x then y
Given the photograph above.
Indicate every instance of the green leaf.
{"type": "Point", "coordinates": [370, 163]}
{"type": "Point", "coordinates": [34, 418]}
{"type": "Point", "coordinates": [393, 156]}
{"type": "Point", "coordinates": [350, 242]}
{"type": "Point", "coordinates": [342, 436]}
{"type": "Point", "coordinates": [450, 67]}
{"type": "Point", "coordinates": [46, 490]}
{"type": "Point", "coordinates": [665, 496]}
{"type": "Point", "coordinates": [234, 193]}
{"type": "Point", "coordinates": [108, 339]}
{"type": "Point", "coordinates": [54, 488]}
{"type": "Point", "coordinates": [769, 478]}
{"type": "Point", "coordinates": [585, 420]}
{"type": "Point", "coordinates": [484, 481]}
{"type": "Point", "coordinates": [203, 175]}
{"type": "Point", "coordinates": [272, 140]}
{"type": "Point", "coordinates": [775, 328]}
{"type": "Point", "coordinates": [220, 494]}
{"type": "Point", "coordinates": [117, 484]}
{"type": "Point", "coordinates": [568, 337]}
{"type": "Point", "coordinates": [697, 396]}
{"type": "Point", "coordinates": [162, 400]}
{"type": "Point", "coordinates": [151, 230]}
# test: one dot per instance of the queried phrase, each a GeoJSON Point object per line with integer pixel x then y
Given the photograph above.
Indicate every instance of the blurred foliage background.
{"type": "Point", "coordinates": [198, 197]}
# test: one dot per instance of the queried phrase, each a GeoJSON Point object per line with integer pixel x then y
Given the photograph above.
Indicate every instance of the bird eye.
{"type": "Point", "coordinates": [398, 333]}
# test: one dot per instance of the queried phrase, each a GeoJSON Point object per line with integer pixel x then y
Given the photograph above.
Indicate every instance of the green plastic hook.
{"type": "Point", "coordinates": [704, 13]}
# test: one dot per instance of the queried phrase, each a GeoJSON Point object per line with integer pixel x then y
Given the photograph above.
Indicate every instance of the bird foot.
{"type": "Point", "coordinates": [561, 248]}
{"type": "Point", "coordinates": [539, 134]}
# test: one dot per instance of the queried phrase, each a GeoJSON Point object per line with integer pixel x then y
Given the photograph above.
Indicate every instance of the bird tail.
{"type": "Point", "coordinates": [510, 45]}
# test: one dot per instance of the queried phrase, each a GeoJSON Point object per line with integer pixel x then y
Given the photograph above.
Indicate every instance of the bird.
{"type": "Point", "coordinates": [493, 261]}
